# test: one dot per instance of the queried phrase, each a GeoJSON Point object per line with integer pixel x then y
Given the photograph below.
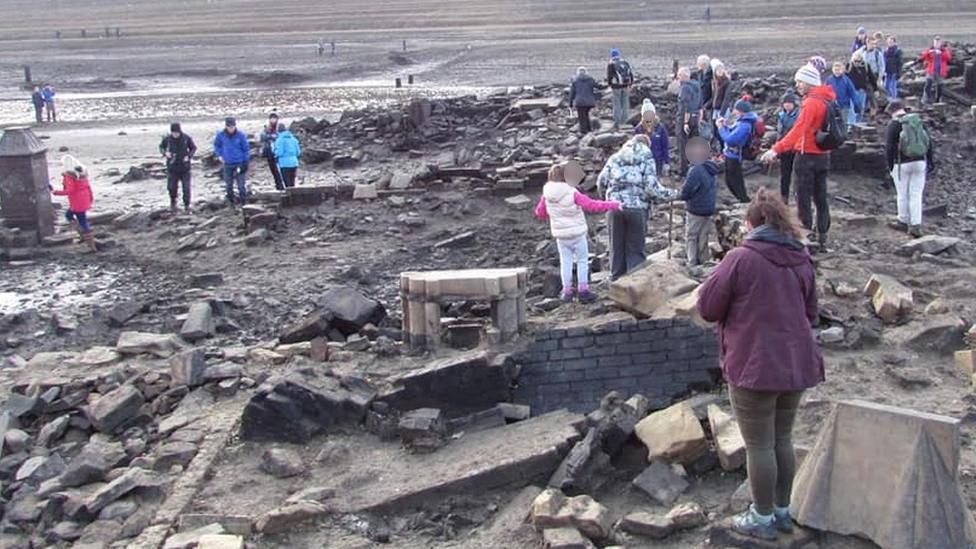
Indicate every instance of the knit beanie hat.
{"type": "Point", "coordinates": [743, 106]}
{"type": "Point", "coordinates": [819, 62]}
{"type": "Point", "coordinates": [230, 122]}
{"type": "Point", "coordinates": [175, 127]}
{"type": "Point", "coordinates": [862, 30]}
{"type": "Point", "coordinates": [648, 106]}
{"type": "Point", "coordinates": [789, 97]}
{"type": "Point", "coordinates": [717, 64]}
{"type": "Point", "coordinates": [71, 164]}
{"type": "Point", "coordinates": [808, 74]}
{"type": "Point", "coordinates": [614, 53]}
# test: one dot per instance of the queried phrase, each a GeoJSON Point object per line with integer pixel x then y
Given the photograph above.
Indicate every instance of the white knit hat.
{"type": "Point", "coordinates": [716, 63]}
{"type": "Point", "coordinates": [648, 106]}
{"type": "Point", "coordinates": [808, 74]}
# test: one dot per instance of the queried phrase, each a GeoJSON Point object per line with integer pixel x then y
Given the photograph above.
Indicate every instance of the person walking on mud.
{"type": "Point", "coordinates": [233, 151]}
{"type": "Point", "coordinates": [908, 149]}
{"type": "Point", "coordinates": [811, 164]}
{"type": "Point", "coordinates": [766, 286]}
{"type": "Point", "coordinates": [582, 97]}
{"type": "Point", "coordinates": [620, 78]}
{"type": "Point", "coordinates": [48, 94]}
{"type": "Point", "coordinates": [287, 151]}
{"type": "Point", "coordinates": [80, 199]}
{"type": "Point", "coordinates": [268, 135]}
{"type": "Point", "coordinates": [178, 149]}
{"type": "Point", "coordinates": [37, 100]}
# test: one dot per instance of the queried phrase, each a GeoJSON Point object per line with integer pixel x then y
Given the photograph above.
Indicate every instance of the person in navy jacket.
{"type": "Point", "coordinates": [233, 151]}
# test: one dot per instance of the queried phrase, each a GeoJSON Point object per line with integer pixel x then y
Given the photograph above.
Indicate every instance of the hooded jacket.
{"type": "Point", "coordinates": [233, 148]}
{"type": "Point", "coordinates": [287, 150]}
{"type": "Point", "coordinates": [700, 191]}
{"type": "Point", "coordinates": [764, 298]}
{"type": "Point", "coordinates": [630, 177]}
{"type": "Point", "coordinates": [660, 142]}
{"type": "Point", "coordinates": [893, 61]}
{"type": "Point", "coordinates": [76, 188]}
{"type": "Point", "coordinates": [183, 148]}
{"type": "Point", "coordinates": [738, 136]}
{"type": "Point", "coordinates": [933, 57]}
{"type": "Point", "coordinates": [581, 92]}
{"type": "Point", "coordinates": [813, 112]}
{"type": "Point", "coordinates": [843, 88]}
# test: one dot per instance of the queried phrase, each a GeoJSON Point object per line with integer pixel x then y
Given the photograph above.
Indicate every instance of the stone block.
{"type": "Point", "coordinates": [966, 362]}
{"type": "Point", "coordinates": [515, 412]}
{"type": "Point", "coordinates": [365, 192]}
{"type": "Point", "coordinates": [131, 479]}
{"type": "Point", "coordinates": [890, 299]}
{"type": "Point", "coordinates": [161, 345]}
{"type": "Point", "coordinates": [887, 474]}
{"type": "Point", "coordinates": [552, 509]}
{"type": "Point", "coordinates": [673, 434]}
{"type": "Point", "coordinates": [647, 288]}
{"type": "Point", "coordinates": [285, 518]}
{"type": "Point", "coordinates": [564, 538]}
{"type": "Point", "coordinates": [663, 482]}
{"type": "Point", "coordinates": [941, 334]}
{"type": "Point", "coordinates": [188, 368]}
{"type": "Point", "coordinates": [282, 463]}
{"type": "Point", "coordinates": [240, 525]}
{"type": "Point", "coordinates": [312, 326]}
{"type": "Point", "coordinates": [220, 541]}
{"type": "Point", "coordinates": [191, 539]}
{"type": "Point", "coordinates": [121, 313]}
{"type": "Point", "coordinates": [423, 430]}
{"type": "Point", "coordinates": [928, 244]}
{"type": "Point", "coordinates": [350, 310]}
{"type": "Point", "coordinates": [729, 444]}
{"type": "Point", "coordinates": [174, 453]}
{"type": "Point", "coordinates": [115, 408]}
{"type": "Point", "coordinates": [199, 323]}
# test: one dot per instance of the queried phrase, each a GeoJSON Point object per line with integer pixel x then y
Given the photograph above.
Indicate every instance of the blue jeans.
{"type": "Point", "coordinates": [82, 218]}
{"type": "Point", "coordinates": [621, 106]}
{"type": "Point", "coordinates": [579, 249]}
{"type": "Point", "coordinates": [891, 85]}
{"type": "Point", "coordinates": [232, 172]}
{"type": "Point", "coordinates": [860, 99]}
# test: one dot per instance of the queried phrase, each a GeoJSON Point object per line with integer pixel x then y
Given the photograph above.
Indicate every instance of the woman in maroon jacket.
{"type": "Point", "coordinates": [764, 298]}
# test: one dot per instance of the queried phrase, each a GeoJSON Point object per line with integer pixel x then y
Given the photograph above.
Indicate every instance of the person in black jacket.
{"type": "Point", "coordinates": [908, 172]}
{"type": "Point", "coordinates": [37, 99]}
{"type": "Point", "coordinates": [178, 149]}
{"type": "Point", "coordinates": [582, 97]}
{"type": "Point", "coordinates": [893, 63]}
{"type": "Point", "coordinates": [704, 75]}
{"type": "Point", "coordinates": [861, 77]}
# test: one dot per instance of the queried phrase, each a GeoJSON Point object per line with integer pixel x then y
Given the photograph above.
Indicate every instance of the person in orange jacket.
{"type": "Point", "coordinates": [812, 163]}
{"type": "Point", "coordinates": [936, 59]}
{"type": "Point", "coordinates": [80, 198]}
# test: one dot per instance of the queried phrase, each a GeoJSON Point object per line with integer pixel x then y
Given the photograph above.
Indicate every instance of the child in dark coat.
{"type": "Point", "coordinates": [699, 193]}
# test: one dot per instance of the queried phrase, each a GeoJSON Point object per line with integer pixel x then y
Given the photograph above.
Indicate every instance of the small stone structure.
{"type": "Point", "coordinates": [25, 200]}
{"type": "Point", "coordinates": [424, 292]}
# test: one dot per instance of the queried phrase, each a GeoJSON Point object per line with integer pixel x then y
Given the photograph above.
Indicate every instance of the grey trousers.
{"type": "Point", "coordinates": [697, 229]}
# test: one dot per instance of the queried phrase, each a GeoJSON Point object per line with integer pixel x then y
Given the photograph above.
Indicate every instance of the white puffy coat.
{"type": "Point", "coordinates": [566, 219]}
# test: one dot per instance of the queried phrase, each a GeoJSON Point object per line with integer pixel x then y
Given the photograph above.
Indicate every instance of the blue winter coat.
{"type": "Point", "coordinates": [786, 121]}
{"type": "Point", "coordinates": [738, 135]}
{"type": "Point", "coordinates": [234, 149]}
{"type": "Point", "coordinates": [843, 89]}
{"type": "Point", "coordinates": [700, 191]}
{"type": "Point", "coordinates": [287, 150]}
{"type": "Point", "coordinates": [660, 142]}
{"type": "Point", "coordinates": [48, 95]}
{"type": "Point", "coordinates": [581, 92]}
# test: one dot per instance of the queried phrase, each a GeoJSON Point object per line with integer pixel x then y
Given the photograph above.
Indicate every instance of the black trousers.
{"type": "Point", "coordinates": [275, 172]}
{"type": "Point", "coordinates": [174, 180]}
{"type": "Point", "coordinates": [288, 176]}
{"type": "Point", "coordinates": [583, 114]}
{"type": "Point", "coordinates": [628, 229]}
{"type": "Point", "coordinates": [811, 186]}
{"type": "Point", "coordinates": [786, 175]}
{"type": "Point", "coordinates": [735, 180]}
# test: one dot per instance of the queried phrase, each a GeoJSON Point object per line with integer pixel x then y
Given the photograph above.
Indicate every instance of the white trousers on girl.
{"type": "Point", "coordinates": [910, 184]}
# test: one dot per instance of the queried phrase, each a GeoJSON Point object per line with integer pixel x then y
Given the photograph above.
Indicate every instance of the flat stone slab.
{"type": "Point", "coordinates": [887, 474]}
{"type": "Point", "coordinates": [517, 454]}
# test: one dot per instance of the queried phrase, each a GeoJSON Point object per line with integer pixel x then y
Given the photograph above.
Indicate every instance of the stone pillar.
{"type": "Point", "coordinates": [25, 200]}
{"type": "Point", "coordinates": [969, 79]}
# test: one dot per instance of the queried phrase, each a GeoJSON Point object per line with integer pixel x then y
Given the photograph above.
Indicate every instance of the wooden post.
{"type": "Point", "coordinates": [969, 78]}
{"type": "Point", "coordinates": [410, 79]}
{"type": "Point", "coordinates": [674, 69]}
{"type": "Point", "coordinates": [27, 74]}
{"type": "Point", "coordinates": [398, 83]}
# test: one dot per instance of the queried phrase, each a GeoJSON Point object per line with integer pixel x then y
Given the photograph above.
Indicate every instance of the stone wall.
{"type": "Point", "coordinates": [574, 367]}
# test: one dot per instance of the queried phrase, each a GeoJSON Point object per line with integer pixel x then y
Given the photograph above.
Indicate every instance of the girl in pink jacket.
{"type": "Point", "coordinates": [75, 186]}
{"type": "Point", "coordinates": [564, 206]}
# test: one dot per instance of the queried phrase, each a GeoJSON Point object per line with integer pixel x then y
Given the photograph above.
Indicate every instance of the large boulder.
{"type": "Point", "coordinates": [645, 289]}
{"type": "Point", "coordinates": [890, 299]}
{"type": "Point", "coordinates": [351, 310]}
{"type": "Point", "coordinates": [942, 334]}
{"type": "Point", "coordinates": [928, 244]}
{"type": "Point", "coordinates": [673, 434]}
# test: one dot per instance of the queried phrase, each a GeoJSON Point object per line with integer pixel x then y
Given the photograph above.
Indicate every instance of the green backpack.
{"type": "Point", "coordinates": [914, 140]}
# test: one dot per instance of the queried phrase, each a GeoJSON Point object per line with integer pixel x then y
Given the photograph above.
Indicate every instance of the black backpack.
{"type": "Point", "coordinates": [833, 133]}
{"type": "Point", "coordinates": [624, 75]}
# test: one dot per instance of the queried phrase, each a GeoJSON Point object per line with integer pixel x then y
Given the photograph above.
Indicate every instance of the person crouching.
{"type": "Point", "coordinates": [563, 205]}
{"type": "Point", "coordinates": [76, 188]}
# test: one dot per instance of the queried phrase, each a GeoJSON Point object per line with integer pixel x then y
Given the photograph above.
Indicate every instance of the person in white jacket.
{"type": "Point", "coordinates": [564, 206]}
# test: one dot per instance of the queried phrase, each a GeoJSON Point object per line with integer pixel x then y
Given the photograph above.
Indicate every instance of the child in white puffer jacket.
{"type": "Point", "coordinates": [564, 206]}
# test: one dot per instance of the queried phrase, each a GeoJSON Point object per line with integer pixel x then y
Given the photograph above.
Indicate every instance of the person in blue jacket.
{"type": "Point", "coordinates": [48, 94]}
{"type": "Point", "coordinates": [788, 114]}
{"type": "Point", "coordinates": [287, 152]}
{"type": "Point", "coordinates": [651, 126]}
{"type": "Point", "coordinates": [845, 91]}
{"type": "Point", "coordinates": [233, 151]}
{"type": "Point", "coordinates": [736, 137]}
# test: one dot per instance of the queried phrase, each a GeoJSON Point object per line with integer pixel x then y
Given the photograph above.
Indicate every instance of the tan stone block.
{"type": "Point", "coordinates": [548, 510]}
{"type": "Point", "coordinates": [647, 288]}
{"type": "Point", "coordinates": [891, 299]}
{"type": "Point", "coordinates": [590, 517]}
{"type": "Point", "coordinates": [728, 439]}
{"type": "Point", "coordinates": [966, 361]}
{"type": "Point", "coordinates": [220, 541]}
{"type": "Point", "coordinates": [673, 434]}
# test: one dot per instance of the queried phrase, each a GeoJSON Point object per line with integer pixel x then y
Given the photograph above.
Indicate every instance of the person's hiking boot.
{"type": "Point", "coordinates": [898, 226]}
{"type": "Point", "coordinates": [915, 231]}
{"type": "Point", "coordinates": [567, 296]}
{"type": "Point", "coordinates": [586, 296]}
{"type": "Point", "coordinates": [782, 520]}
{"type": "Point", "coordinates": [751, 523]}
{"type": "Point", "coordinates": [822, 240]}
{"type": "Point", "coordinates": [89, 239]}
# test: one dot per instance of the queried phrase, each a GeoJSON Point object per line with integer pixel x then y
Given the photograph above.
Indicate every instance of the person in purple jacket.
{"type": "Point", "coordinates": [764, 298]}
{"type": "Point", "coordinates": [651, 126]}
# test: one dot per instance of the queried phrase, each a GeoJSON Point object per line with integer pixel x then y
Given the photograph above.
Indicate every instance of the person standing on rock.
{"type": "Point", "coordinates": [37, 100]}
{"type": "Point", "coordinates": [287, 151]}
{"type": "Point", "coordinates": [863, 84]}
{"type": "Point", "coordinates": [874, 60]}
{"type": "Point", "coordinates": [860, 40]}
{"type": "Point", "coordinates": [268, 135]}
{"type": "Point", "coordinates": [689, 114]}
{"type": "Point", "coordinates": [737, 135]}
{"type": "Point", "coordinates": [720, 87]}
{"type": "Point", "coordinates": [908, 149]}
{"type": "Point", "coordinates": [845, 92]}
{"type": "Point", "coordinates": [704, 75]}
{"type": "Point", "coordinates": [629, 177]}
{"type": "Point", "coordinates": [620, 77]}
{"type": "Point", "coordinates": [936, 61]}
{"type": "Point", "coordinates": [582, 97]}
{"type": "Point", "coordinates": [178, 149]}
{"type": "Point", "coordinates": [788, 114]}
{"type": "Point", "coordinates": [564, 206]}
{"type": "Point", "coordinates": [48, 94]}
{"type": "Point", "coordinates": [80, 199]}
{"type": "Point", "coordinates": [657, 133]}
{"type": "Point", "coordinates": [233, 151]}
{"type": "Point", "coordinates": [812, 162]}
{"type": "Point", "coordinates": [763, 295]}
{"type": "Point", "coordinates": [699, 193]}
{"type": "Point", "coordinates": [893, 64]}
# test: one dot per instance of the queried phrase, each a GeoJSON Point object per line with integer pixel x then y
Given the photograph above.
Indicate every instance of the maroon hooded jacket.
{"type": "Point", "coordinates": [764, 298]}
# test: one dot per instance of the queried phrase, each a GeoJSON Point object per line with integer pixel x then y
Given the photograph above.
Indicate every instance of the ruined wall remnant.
{"type": "Point", "coordinates": [574, 367]}
{"type": "Point", "coordinates": [25, 200]}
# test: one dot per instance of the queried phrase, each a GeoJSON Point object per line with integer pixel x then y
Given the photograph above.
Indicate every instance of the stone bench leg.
{"type": "Point", "coordinates": [505, 314]}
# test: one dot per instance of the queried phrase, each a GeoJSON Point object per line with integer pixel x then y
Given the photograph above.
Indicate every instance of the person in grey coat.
{"type": "Point", "coordinates": [582, 97]}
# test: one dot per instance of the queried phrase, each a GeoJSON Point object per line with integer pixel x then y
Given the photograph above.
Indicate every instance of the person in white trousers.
{"type": "Point", "coordinates": [907, 169]}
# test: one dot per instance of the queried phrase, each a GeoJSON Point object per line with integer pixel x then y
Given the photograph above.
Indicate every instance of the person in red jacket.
{"type": "Point", "coordinates": [811, 163]}
{"type": "Point", "coordinates": [763, 295]}
{"type": "Point", "coordinates": [80, 198]}
{"type": "Point", "coordinates": [936, 61]}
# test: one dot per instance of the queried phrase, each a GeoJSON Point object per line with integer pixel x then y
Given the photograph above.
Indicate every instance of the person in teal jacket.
{"type": "Point", "coordinates": [287, 150]}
